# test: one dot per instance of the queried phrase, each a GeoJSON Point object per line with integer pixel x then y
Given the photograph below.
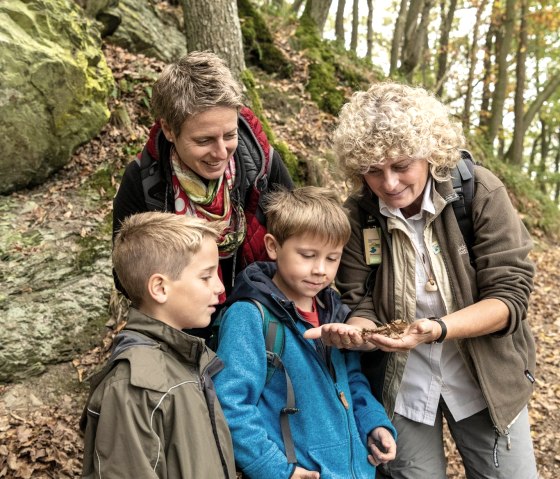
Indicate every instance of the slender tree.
{"type": "Point", "coordinates": [472, 65]}
{"type": "Point", "coordinates": [355, 25]}
{"type": "Point", "coordinates": [339, 22]}
{"type": "Point", "coordinates": [492, 38]}
{"type": "Point", "coordinates": [445, 29]}
{"type": "Point", "coordinates": [515, 153]}
{"type": "Point", "coordinates": [415, 34]}
{"type": "Point", "coordinates": [215, 26]}
{"type": "Point", "coordinates": [501, 85]}
{"type": "Point", "coordinates": [398, 37]}
{"type": "Point", "coordinates": [369, 38]}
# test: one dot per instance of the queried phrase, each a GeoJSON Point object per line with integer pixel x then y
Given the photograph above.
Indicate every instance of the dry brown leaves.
{"type": "Point", "coordinates": [393, 330]}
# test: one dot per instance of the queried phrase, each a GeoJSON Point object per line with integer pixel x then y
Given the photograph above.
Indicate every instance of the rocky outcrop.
{"type": "Point", "coordinates": [54, 86]}
{"type": "Point", "coordinates": [146, 28]}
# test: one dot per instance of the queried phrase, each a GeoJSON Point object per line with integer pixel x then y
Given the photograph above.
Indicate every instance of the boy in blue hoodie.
{"type": "Point", "coordinates": [336, 428]}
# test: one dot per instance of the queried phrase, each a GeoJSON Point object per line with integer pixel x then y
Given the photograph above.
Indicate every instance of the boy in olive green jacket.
{"type": "Point", "coordinates": [152, 411]}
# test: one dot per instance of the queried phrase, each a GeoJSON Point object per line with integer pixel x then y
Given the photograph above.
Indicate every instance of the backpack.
{"type": "Point", "coordinates": [274, 334]}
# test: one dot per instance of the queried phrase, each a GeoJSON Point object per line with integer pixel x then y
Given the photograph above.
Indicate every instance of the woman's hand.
{"type": "Point", "coordinates": [419, 332]}
{"type": "Point", "coordinates": [382, 446]}
{"type": "Point", "coordinates": [301, 473]}
{"type": "Point", "coordinates": [339, 335]}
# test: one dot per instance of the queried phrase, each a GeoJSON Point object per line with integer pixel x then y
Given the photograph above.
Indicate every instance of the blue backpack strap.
{"type": "Point", "coordinates": [462, 177]}
{"type": "Point", "coordinates": [274, 334]}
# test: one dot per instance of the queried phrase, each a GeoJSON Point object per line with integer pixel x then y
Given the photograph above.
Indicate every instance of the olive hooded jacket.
{"type": "Point", "coordinates": [153, 413]}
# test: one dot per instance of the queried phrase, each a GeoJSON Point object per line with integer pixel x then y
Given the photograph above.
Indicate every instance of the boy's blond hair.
{"type": "Point", "coordinates": [308, 210]}
{"type": "Point", "coordinates": [193, 84]}
{"type": "Point", "coordinates": [156, 242]}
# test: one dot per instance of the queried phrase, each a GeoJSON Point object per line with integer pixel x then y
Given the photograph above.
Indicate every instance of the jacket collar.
{"type": "Point", "coordinates": [188, 347]}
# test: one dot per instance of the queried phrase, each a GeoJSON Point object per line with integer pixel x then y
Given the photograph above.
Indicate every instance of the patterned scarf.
{"type": "Point", "coordinates": [209, 200]}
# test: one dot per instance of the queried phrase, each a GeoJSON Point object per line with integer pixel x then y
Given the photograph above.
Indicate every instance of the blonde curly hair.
{"type": "Point", "coordinates": [392, 120]}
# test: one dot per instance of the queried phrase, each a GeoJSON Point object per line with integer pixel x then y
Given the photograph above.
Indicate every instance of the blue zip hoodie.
{"type": "Point", "coordinates": [336, 408]}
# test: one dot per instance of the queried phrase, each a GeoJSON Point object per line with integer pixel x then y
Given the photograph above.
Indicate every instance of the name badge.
{"type": "Point", "coordinates": [372, 245]}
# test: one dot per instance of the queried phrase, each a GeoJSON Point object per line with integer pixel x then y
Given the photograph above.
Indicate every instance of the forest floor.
{"type": "Point", "coordinates": [39, 435]}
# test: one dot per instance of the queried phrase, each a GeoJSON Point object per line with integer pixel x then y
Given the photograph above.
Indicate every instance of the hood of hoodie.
{"type": "Point", "coordinates": [255, 282]}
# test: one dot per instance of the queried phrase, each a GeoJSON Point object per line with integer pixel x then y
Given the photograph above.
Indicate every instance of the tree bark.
{"type": "Point", "coordinates": [296, 6]}
{"type": "Point", "coordinates": [515, 152]}
{"type": "Point", "coordinates": [416, 31]}
{"type": "Point", "coordinates": [355, 25]}
{"type": "Point", "coordinates": [339, 22]}
{"type": "Point", "coordinates": [214, 26]}
{"type": "Point", "coordinates": [472, 66]}
{"type": "Point", "coordinates": [488, 65]}
{"type": "Point", "coordinates": [398, 35]}
{"type": "Point", "coordinates": [318, 11]}
{"type": "Point", "coordinates": [369, 38]}
{"type": "Point", "coordinates": [500, 87]}
{"type": "Point", "coordinates": [446, 23]}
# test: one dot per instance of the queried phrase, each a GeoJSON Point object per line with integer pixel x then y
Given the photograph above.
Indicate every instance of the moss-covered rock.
{"type": "Point", "coordinates": [258, 43]}
{"type": "Point", "coordinates": [54, 87]}
{"type": "Point", "coordinates": [145, 28]}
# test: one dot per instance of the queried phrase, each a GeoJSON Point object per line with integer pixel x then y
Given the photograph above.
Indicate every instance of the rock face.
{"type": "Point", "coordinates": [54, 86]}
{"type": "Point", "coordinates": [55, 271]}
{"type": "Point", "coordinates": [147, 29]}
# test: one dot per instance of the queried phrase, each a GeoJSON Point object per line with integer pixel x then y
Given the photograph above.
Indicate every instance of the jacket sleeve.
{"type": "Point", "coordinates": [279, 174]}
{"type": "Point", "coordinates": [368, 411]}
{"type": "Point", "coordinates": [502, 245]}
{"type": "Point", "coordinates": [239, 388]}
{"type": "Point", "coordinates": [352, 276]}
{"type": "Point", "coordinates": [128, 442]}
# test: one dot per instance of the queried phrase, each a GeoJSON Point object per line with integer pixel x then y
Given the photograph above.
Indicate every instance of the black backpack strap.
{"type": "Point", "coordinates": [151, 176]}
{"type": "Point", "coordinates": [462, 177]}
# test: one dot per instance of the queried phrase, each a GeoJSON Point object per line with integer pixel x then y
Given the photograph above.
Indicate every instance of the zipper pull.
{"type": "Point", "coordinates": [508, 440]}
{"type": "Point", "coordinates": [343, 400]}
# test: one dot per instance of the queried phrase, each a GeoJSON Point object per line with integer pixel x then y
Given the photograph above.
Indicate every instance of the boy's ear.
{"type": "Point", "coordinates": [271, 246]}
{"type": "Point", "coordinates": [158, 288]}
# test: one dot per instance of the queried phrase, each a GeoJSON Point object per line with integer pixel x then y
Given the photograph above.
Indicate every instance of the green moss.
{"type": "Point", "coordinates": [332, 68]}
{"type": "Point", "coordinates": [258, 43]}
{"type": "Point", "coordinates": [290, 160]}
{"type": "Point", "coordinates": [94, 245]}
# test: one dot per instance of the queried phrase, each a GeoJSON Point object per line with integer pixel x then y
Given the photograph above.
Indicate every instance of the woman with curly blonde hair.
{"type": "Point", "coordinates": [467, 353]}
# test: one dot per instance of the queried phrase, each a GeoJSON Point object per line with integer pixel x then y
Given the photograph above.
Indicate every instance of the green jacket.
{"type": "Point", "coordinates": [152, 412]}
{"type": "Point", "coordinates": [503, 363]}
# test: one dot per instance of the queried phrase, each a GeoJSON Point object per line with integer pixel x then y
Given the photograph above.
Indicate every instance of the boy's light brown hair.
{"type": "Point", "coordinates": [194, 83]}
{"type": "Point", "coordinates": [308, 210]}
{"type": "Point", "coordinates": [156, 242]}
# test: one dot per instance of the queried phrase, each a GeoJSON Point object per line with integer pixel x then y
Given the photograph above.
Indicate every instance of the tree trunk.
{"type": "Point", "coordinates": [416, 31]}
{"type": "Point", "coordinates": [355, 25]}
{"type": "Point", "coordinates": [397, 40]}
{"type": "Point", "coordinates": [369, 38]}
{"type": "Point", "coordinates": [318, 11]}
{"type": "Point", "coordinates": [488, 66]}
{"type": "Point", "coordinates": [515, 152]}
{"type": "Point", "coordinates": [541, 170]}
{"type": "Point", "coordinates": [472, 66]}
{"type": "Point", "coordinates": [296, 6]}
{"type": "Point", "coordinates": [446, 23]}
{"type": "Point", "coordinates": [500, 87]}
{"type": "Point", "coordinates": [339, 22]}
{"type": "Point", "coordinates": [557, 171]}
{"type": "Point", "coordinates": [214, 26]}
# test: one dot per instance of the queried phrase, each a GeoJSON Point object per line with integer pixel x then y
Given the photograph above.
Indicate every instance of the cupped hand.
{"type": "Point", "coordinates": [339, 335]}
{"type": "Point", "coordinates": [301, 473]}
{"type": "Point", "coordinates": [382, 446]}
{"type": "Point", "coordinates": [419, 332]}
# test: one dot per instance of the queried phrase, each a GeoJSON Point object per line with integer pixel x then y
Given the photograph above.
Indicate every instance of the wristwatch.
{"type": "Point", "coordinates": [443, 329]}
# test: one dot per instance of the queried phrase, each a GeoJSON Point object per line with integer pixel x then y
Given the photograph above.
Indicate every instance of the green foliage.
{"type": "Point", "coordinates": [332, 68]}
{"type": "Point", "coordinates": [538, 212]}
{"type": "Point", "coordinates": [290, 160]}
{"type": "Point", "coordinates": [258, 43]}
